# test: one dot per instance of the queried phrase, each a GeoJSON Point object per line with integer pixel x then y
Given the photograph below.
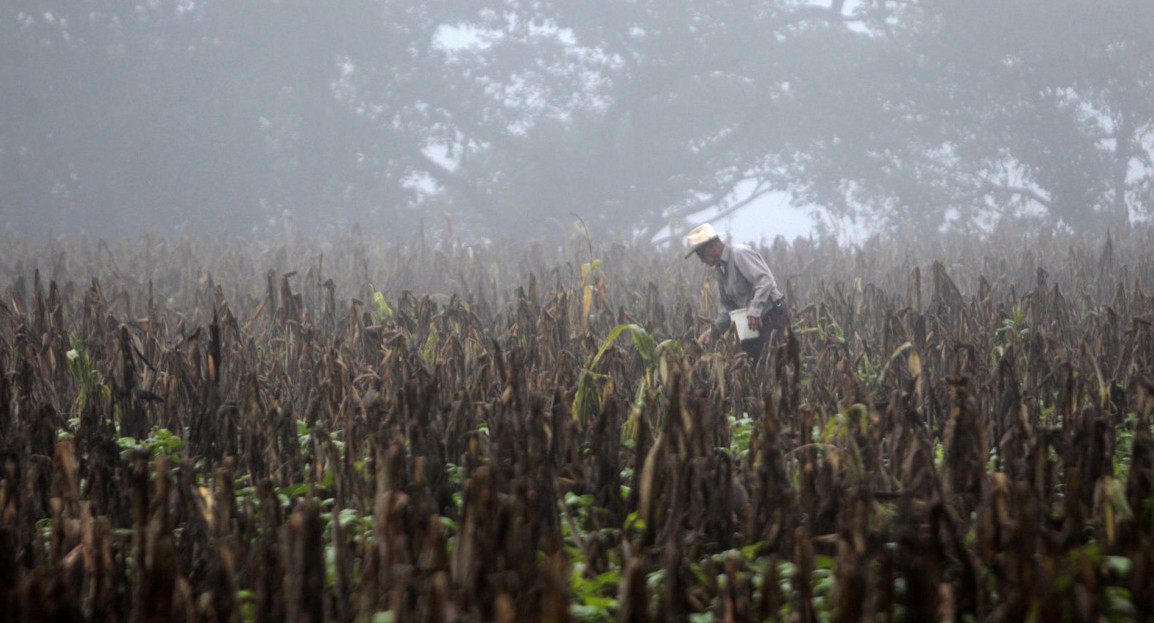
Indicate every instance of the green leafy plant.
{"type": "Point", "coordinates": [740, 436]}
{"type": "Point", "coordinates": [1013, 332]}
{"type": "Point", "coordinates": [381, 309]}
{"type": "Point", "coordinates": [596, 597]}
{"type": "Point", "coordinates": [88, 378]}
{"type": "Point", "coordinates": [828, 329]}
{"type": "Point", "coordinates": [587, 399]}
{"type": "Point", "coordinates": [429, 349]}
{"type": "Point", "coordinates": [161, 442]}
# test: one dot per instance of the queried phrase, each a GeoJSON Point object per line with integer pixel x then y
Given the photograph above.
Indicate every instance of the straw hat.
{"type": "Point", "coordinates": [698, 237]}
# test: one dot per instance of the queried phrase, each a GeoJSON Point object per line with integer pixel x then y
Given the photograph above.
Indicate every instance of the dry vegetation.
{"type": "Point", "coordinates": [220, 430]}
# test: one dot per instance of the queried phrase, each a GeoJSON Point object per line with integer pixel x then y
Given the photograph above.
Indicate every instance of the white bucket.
{"type": "Point", "coordinates": [743, 331]}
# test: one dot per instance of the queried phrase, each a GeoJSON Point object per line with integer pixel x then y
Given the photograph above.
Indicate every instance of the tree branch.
{"type": "Point", "coordinates": [759, 192]}
{"type": "Point", "coordinates": [451, 181]}
{"type": "Point", "coordinates": [1029, 193]}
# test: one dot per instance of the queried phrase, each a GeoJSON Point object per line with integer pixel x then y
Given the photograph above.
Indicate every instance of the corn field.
{"type": "Point", "coordinates": [215, 429]}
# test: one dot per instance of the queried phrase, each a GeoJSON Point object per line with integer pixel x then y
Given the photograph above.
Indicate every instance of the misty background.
{"type": "Point", "coordinates": [507, 118]}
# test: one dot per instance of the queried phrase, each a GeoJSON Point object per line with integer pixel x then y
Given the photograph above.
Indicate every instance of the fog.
{"type": "Point", "coordinates": [519, 120]}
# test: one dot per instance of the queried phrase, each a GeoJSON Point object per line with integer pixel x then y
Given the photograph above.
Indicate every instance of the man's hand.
{"type": "Point", "coordinates": [704, 339]}
{"type": "Point", "coordinates": [755, 323]}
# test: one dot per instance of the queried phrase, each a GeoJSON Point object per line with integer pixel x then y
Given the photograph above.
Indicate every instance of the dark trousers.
{"type": "Point", "coordinates": [774, 319]}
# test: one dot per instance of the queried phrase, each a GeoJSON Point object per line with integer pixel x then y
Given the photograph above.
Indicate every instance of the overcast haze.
{"type": "Point", "coordinates": [510, 119]}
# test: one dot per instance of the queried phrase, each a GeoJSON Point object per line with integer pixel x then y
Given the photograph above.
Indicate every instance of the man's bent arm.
{"type": "Point", "coordinates": [721, 322]}
{"type": "Point", "coordinates": [754, 268]}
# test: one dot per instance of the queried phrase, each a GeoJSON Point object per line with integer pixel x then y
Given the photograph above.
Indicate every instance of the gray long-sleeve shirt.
{"type": "Point", "coordinates": [745, 281]}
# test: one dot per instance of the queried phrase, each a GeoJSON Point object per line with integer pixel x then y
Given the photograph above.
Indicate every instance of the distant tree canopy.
{"type": "Point", "coordinates": [510, 117]}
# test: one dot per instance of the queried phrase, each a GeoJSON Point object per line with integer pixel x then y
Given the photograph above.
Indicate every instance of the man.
{"type": "Point", "coordinates": [744, 280]}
